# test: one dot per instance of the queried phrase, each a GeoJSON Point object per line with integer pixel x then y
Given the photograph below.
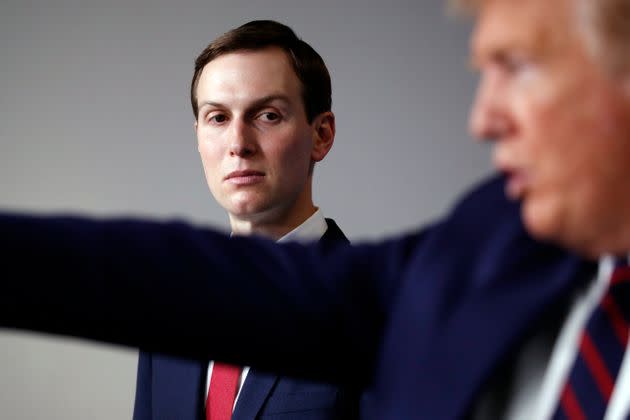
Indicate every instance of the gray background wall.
{"type": "Point", "coordinates": [95, 118]}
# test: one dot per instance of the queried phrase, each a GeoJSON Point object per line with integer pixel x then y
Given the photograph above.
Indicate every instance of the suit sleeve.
{"type": "Point", "coordinates": [174, 288]}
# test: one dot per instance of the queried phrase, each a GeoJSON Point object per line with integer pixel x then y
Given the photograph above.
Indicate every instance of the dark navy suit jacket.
{"type": "Point", "coordinates": [174, 388]}
{"type": "Point", "coordinates": [422, 322]}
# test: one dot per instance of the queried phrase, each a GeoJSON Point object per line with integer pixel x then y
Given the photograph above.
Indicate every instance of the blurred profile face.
{"type": "Point", "coordinates": [561, 126]}
{"type": "Point", "coordinates": [254, 139]}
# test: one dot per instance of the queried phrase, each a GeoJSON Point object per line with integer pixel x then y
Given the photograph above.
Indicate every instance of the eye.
{"type": "Point", "coordinates": [269, 116]}
{"type": "Point", "coordinates": [217, 118]}
{"type": "Point", "coordinates": [515, 63]}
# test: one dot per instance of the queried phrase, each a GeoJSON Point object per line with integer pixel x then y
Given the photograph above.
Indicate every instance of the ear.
{"type": "Point", "coordinates": [625, 85]}
{"type": "Point", "coordinates": [323, 135]}
{"type": "Point", "coordinates": [196, 129]}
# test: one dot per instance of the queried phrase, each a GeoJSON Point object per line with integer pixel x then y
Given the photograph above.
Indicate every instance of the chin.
{"type": "Point", "coordinates": [549, 224]}
{"type": "Point", "coordinates": [243, 212]}
{"type": "Point", "coordinates": [541, 222]}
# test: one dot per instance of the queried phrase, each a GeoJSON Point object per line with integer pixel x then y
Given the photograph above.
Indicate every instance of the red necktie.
{"type": "Point", "coordinates": [222, 391]}
{"type": "Point", "coordinates": [602, 347]}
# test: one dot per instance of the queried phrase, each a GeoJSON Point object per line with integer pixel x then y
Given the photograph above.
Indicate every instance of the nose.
{"type": "Point", "coordinates": [242, 141]}
{"type": "Point", "coordinates": [489, 119]}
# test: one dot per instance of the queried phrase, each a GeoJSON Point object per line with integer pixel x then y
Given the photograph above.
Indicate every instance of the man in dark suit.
{"type": "Point", "coordinates": [419, 322]}
{"type": "Point", "coordinates": [554, 96]}
{"type": "Point", "coordinates": [261, 99]}
{"type": "Point", "coordinates": [468, 318]}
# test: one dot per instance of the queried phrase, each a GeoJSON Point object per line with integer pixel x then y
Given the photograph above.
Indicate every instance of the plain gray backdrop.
{"type": "Point", "coordinates": [96, 119]}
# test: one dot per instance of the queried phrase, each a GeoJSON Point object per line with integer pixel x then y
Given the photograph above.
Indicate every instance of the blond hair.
{"type": "Point", "coordinates": [604, 24]}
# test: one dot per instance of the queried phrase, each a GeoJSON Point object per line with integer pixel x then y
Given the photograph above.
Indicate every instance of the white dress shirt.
{"type": "Point", "coordinates": [311, 229]}
{"type": "Point", "coordinates": [541, 368]}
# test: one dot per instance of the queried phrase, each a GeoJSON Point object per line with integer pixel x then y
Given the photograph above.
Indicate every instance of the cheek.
{"type": "Point", "coordinates": [535, 121]}
{"type": "Point", "coordinates": [209, 148]}
{"type": "Point", "coordinates": [206, 157]}
{"type": "Point", "coordinates": [293, 154]}
{"type": "Point", "coordinates": [551, 124]}
{"type": "Point", "coordinates": [210, 159]}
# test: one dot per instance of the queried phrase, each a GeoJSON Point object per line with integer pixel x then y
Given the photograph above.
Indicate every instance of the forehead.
{"type": "Point", "coordinates": [248, 75]}
{"type": "Point", "coordinates": [537, 26]}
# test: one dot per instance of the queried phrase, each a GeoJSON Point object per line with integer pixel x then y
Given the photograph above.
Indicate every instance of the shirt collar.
{"type": "Point", "coordinates": [606, 267]}
{"type": "Point", "coordinates": [310, 230]}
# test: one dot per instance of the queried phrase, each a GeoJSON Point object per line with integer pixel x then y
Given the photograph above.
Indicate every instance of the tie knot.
{"type": "Point", "coordinates": [621, 272]}
{"type": "Point", "coordinates": [619, 288]}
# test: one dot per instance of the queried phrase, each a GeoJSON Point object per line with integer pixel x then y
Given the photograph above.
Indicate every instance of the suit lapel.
{"type": "Point", "coordinates": [333, 236]}
{"type": "Point", "coordinates": [256, 389]}
{"type": "Point", "coordinates": [517, 308]}
{"type": "Point", "coordinates": [179, 387]}
{"type": "Point", "coordinates": [518, 312]}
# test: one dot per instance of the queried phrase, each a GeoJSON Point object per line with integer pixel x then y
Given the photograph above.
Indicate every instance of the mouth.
{"type": "Point", "coordinates": [517, 178]}
{"type": "Point", "coordinates": [516, 183]}
{"type": "Point", "coordinates": [245, 177]}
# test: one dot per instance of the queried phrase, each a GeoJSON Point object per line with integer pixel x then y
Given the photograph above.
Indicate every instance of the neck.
{"type": "Point", "coordinates": [273, 224]}
{"type": "Point", "coordinates": [612, 241]}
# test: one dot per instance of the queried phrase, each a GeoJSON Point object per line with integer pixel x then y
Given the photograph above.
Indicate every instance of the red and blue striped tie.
{"type": "Point", "coordinates": [602, 346]}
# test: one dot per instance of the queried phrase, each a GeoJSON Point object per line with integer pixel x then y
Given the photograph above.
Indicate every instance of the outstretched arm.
{"type": "Point", "coordinates": [172, 287]}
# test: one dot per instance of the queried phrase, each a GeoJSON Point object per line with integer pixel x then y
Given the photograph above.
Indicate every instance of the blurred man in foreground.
{"type": "Point", "coordinates": [554, 96]}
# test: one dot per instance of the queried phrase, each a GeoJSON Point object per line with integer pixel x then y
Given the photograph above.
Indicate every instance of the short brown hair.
{"type": "Point", "coordinates": [259, 34]}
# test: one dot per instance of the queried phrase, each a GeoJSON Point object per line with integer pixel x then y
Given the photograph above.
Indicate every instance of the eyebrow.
{"type": "Point", "coordinates": [258, 103]}
{"type": "Point", "coordinates": [540, 44]}
{"type": "Point", "coordinates": [499, 54]}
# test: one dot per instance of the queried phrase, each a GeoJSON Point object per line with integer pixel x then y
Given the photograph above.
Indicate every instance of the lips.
{"type": "Point", "coordinates": [517, 179]}
{"type": "Point", "coordinates": [516, 184]}
{"type": "Point", "coordinates": [244, 177]}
